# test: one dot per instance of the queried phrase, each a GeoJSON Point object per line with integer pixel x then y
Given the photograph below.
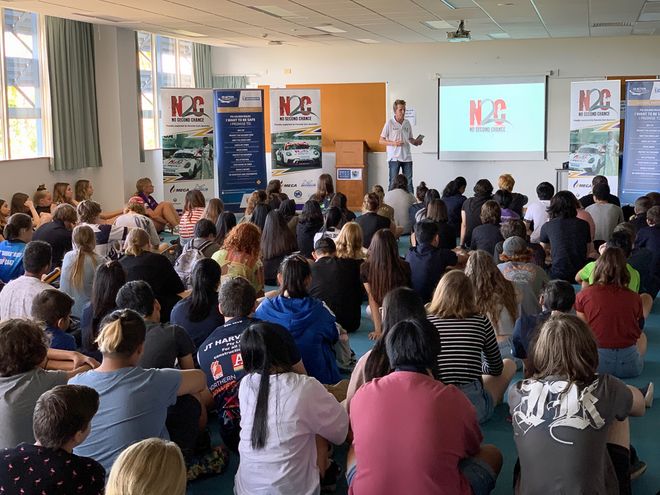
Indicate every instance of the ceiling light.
{"type": "Point", "coordinates": [368, 41]}
{"type": "Point", "coordinates": [274, 10]}
{"type": "Point", "coordinates": [448, 4]}
{"type": "Point", "coordinates": [437, 24]}
{"type": "Point", "coordinates": [499, 36]}
{"type": "Point", "coordinates": [190, 34]}
{"type": "Point", "coordinates": [329, 28]}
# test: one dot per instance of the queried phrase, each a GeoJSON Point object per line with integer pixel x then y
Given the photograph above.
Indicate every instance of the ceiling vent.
{"type": "Point", "coordinates": [611, 24]}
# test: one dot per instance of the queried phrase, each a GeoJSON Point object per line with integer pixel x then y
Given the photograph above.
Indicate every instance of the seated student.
{"type": "Point", "coordinates": [331, 225]}
{"type": "Point", "coordinates": [108, 279]}
{"type": "Point", "coordinates": [43, 201]}
{"type": "Point", "coordinates": [273, 191]}
{"type": "Point", "coordinates": [487, 235]}
{"type": "Point", "coordinates": [453, 195]}
{"type": "Point", "coordinates": [52, 309]}
{"type": "Point", "coordinates": [23, 356]}
{"type": "Point", "coordinates": [649, 238]}
{"type": "Point", "coordinates": [165, 346]}
{"type": "Point", "coordinates": [518, 228]}
{"type": "Point", "coordinates": [288, 210]}
{"type": "Point", "coordinates": [349, 243]}
{"type": "Point", "coordinates": [16, 297]}
{"type": "Point", "coordinates": [4, 217]}
{"type": "Point", "coordinates": [278, 445]}
{"type": "Point", "coordinates": [621, 240]}
{"type": "Point", "coordinates": [214, 208]}
{"type": "Point", "coordinates": [642, 205]}
{"type": "Point", "coordinates": [517, 267]}
{"type": "Point", "coordinates": [108, 237]}
{"type": "Point", "coordinates": [588, 199]}
{"type": "Point", "coordinates": [220, 359]}
{"type": "Point", "coordinates": [537, 211]}
{"type": "Point", "coordinates": [163, 213]}
{"type": "Point", "coordinates": [399, 304]}
{"type": "Point", "coordinates": [226, 222]}
{"type": "Point", "coordinates": [325, 188]}
{"type": "Point", "coordinates": [506, 182]}
{"type": "Point", "coordinates": [277, 242]}
{"type": "Point", "coordinates": [135, 216]}
{"type": "Point", "coordinates": [427, 261]}
{"type": "Point", "coordinates": [557, 296]}
{"type": "Point", "coordinates": [198, 313]}
{"type": "Point", "coordinates": [155, 269]}
{"type": "Point", "coordinates": [370, 221]}
{"type": "Point", "coordinates": [431, 195]}
{"type": "Point", "coordinates": [259, 215]}
{"type": "Point", "coordinates": [145, 394]}
{"type": "Point", "coordinates": [21, 203]}
{"type": "Point", "coordinates": [384, 209]}
{"type": "Point", "coordinates": [17, 233]}
{"type": "Point", "coordinates": [570, 423]}
{"type": "Point", "coordinates": [641, 259]}
{"type": "Point", "coordinates": [471, 210]}
{"type": "Point", "coordinates": [504, 199]}
{"type": "Point", "coordinates": [310, 222]}
{"type": "Point", "coordinates": [202, 246]}
{"type": "Point", "coordinates": [310, 322]}
{"type": "Point", "coordinates": [436, 211]}
{"type": "Point", "coordinates": [466, 335]}
{"type": "Point", "coordinates": [336, 282]}
{"type": "Point", "coordinates": [606, 216]}
{"type": "Point", "coordinates": [420, 194]}
{"type": "Point", "coordinates": [205, 230]}
{"type": "Point", "coordinates": [58, 233]}
{"type": "Point", "coordinates": [565, 236]}
{"type": "Point", "coordinates": [616, 316]}
{"type": "Point", "coordinates": [253, 200]}
{"type": "Point", "coordinates": [440, 422]}
{"type": "Point", "coordinates": [63, 194]}
{"type": "Point", "coordinates": [400, 200]}
{"type": "Point", "coordinates": [149, 467]}
{"type": "Point", "coordinates": [240, 255]}
{"type": "Point", "coordinates": [78, 268]}
{"type": "Point", "coordinates": [61, 422]}
{"type": "Point", "coordinates": [193, 209]}
{"type": "Point", "coordinates": [339, 200]}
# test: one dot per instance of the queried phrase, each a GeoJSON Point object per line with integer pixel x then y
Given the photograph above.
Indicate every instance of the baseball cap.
{"type": "Point", "coordinates": [514, 245]}
{"type": "Point", "coordinates": [136, 199]}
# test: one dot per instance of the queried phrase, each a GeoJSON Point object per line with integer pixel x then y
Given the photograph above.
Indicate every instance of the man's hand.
{"type": "Point", "coordinates": [80, 360]}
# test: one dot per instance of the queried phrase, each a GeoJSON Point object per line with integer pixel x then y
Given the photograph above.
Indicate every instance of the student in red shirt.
{"type": "Point", "coordinates": [616, 316]}
{"type": "Point", "coordinates": [435, 419]}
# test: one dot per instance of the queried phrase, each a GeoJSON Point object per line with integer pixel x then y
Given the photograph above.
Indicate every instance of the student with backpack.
{"type": "Point", "coordinates": [202, 246]}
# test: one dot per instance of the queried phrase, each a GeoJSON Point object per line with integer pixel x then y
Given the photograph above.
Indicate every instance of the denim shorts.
{"type": "Point", "coordinates": [506, 351]}
{"type": "Point", "coordinates": [622, 363]}
{"type": "Point", "coordinates": [480, 398]}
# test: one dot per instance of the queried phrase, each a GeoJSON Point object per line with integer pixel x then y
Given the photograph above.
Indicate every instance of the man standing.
{"type": "Point", "coordinates": [397, 136]}
{"type": "Point", "coordinates": [207, 159]}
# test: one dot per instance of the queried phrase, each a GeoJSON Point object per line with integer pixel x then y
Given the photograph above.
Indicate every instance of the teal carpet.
{"type": "Point", "coordinates": [645, 431]}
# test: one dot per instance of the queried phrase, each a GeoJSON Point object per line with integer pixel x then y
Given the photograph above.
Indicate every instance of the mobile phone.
{"type": "Point", "coordinates": [421, 136]}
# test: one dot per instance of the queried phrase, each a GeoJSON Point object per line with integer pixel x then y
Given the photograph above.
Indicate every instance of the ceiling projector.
{"type": "Point", "coordinates": [459, 35]}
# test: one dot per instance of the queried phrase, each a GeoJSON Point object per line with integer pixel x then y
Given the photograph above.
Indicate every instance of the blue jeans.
{"type": "Point", "coordinates": [480, 399]}
{"type": "Point", "coordinates": [406, 169]}
{"type": "Point", "coordinates": [622, 363]}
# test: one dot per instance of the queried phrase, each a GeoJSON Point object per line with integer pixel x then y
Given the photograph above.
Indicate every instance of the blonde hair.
{"type": "Point", "coordinates": [349, 242]}
{"type": "Point", "coordinates": [40, 194]}
{"type": "Point", "coordinates": [137, 242]}
{"type": "Point", "coordinates": [84, 242]}
{"type": "Point", "coordinates": [453, 297]}
{"type": "Point", "coordinates": [136, 207]}
{"type": "Point", "coordinates": [140, 185]}
{"type": "Point", "coordinates": [150, 467]}
{"type": "Point", "coordinates": [122, 333]}
{"type": "Point", "coordinates": [214, 208]}
{"type": "Point", "coordinates": [506, 182]}
{"type": "Point", "coordinates": [492, 291]}
{"type": "Point", "coordinates": [59, 193]}
{"type": "Point", "coordinates": [81, 190]}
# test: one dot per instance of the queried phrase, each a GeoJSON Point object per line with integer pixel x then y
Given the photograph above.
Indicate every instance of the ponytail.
{"type": "Point", "coordinates": [84, 241]}
{"type": "Point", "coordinates": [123, 332]}
{"type": "Point", "coordinates": [137, 242]}
{"type": "Point", "coordinates": [16, 223]}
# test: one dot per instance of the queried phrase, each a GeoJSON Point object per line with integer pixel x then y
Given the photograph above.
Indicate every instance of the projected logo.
{"type": "Point", "coordinates": [298, 108]}
{"type": "Point", "coordinates": [188, 108]}
{"type": "Point", "coordinates": [488, 115]}
{"type": "Point", "coordinates": [595, 103]}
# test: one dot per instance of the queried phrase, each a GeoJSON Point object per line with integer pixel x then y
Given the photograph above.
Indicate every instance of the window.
{"type": "Point", "coordinates": [164, 63]}
{"type": "Point", "coordinates": [21, 119]}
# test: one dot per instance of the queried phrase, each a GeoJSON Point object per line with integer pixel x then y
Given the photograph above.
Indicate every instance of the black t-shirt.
{"type": "Point", "coordinates": [59, 238]}
{"type": "Point", "coordinates": [447, 234]}
{"type": "Point", "coordinates": [588, 200]}
{"type": "Point", "coordinates": [32, 470]}
{"type": "Point", "coordinates": [472, 208]}
{"type": "Point", "coordinates": [220, 359]}
{"type": "Point", "coordinates": [486, 237]}
{"type": "Point", "coordinates": [305, 234]}
{"type": "Point", "coordinates": [158, 272]}
{"type": "Point", "coordinates": [568, 239]}
{"type": "Point", "coordinates": [454, 205]}
{"type": "Point", "coordinates": [336, 281]}
{"type": "Point", "coordinates": [517, 203]}
{"type": "Point", "coordinates": [271, 266]}
{"type": "Point", "coordinates": [427, 264]}
{"type": "Point", "coordinates": [371, 223]}
{"type": "Point", "coordinates": [164, 344]}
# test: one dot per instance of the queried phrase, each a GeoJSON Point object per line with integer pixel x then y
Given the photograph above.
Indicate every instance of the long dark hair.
{"type": "Point", "coordinates": [430, 195]}
{"type": "Point", "coordinates": [386, 270]}
{"type": "Point", "coordinates": [311, 213]}
{"type": "Point", "coordinates": [453, 188]}
{"type": "Point", "coordinates": [108, 279]}
{"type": "Point", "coordinates": [288, 209]}
{"type": "Point", "coordinates": [399, 304]}
{"type": "Point", "coordinates": [333, 219]}
{"type": "Point", "coordinates": [265, 353]}
{"type": "Point", "coordinates": [295, 270]}
{"type": "Point", "coordinates": [259, 215]}
{"type": "Point", "coordinates": [226, 221]}
{"type": "Point", "coordinates": [204, 296]}
{"type": "Point", "coordinates": [276, 237]}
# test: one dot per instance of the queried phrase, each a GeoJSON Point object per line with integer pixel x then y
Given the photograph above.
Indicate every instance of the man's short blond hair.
{"type": "Point", "coordinates": [397, 103]}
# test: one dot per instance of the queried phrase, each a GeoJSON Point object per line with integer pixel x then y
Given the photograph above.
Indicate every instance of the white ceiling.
{"type": "Point", "coordinates": [241, 23]}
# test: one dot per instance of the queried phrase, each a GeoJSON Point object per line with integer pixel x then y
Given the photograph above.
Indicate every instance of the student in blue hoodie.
{"type": "Point", "coordinates": [309, 321]}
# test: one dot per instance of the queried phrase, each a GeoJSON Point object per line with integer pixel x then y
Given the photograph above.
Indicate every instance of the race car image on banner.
{"type": "Point", "coordinates": [589, 158]}
{"type": "Point", "coordinates": [298, 153]}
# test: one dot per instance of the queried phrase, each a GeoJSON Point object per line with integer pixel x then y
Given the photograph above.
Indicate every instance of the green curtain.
{"type": "Point", "coordinates": [230, 82]}
{"type": "Point", "coordinates": [202, 66]}
{"type": "Point", "coordinates": [70, 49]}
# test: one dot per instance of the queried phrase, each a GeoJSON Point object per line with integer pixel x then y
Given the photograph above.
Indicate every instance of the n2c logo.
{"type": "Point", "coordinates": [602, 101]}
{"type": "Point", "coordinates": [484, 112]}
{"type": "Point", "coordinates": [295, 105]}
{"type": "Point", "coordinates": [194, 105]}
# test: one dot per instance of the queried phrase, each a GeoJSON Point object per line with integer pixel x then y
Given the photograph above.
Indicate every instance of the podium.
{"type": "Point", "coordinates": [351, 171]}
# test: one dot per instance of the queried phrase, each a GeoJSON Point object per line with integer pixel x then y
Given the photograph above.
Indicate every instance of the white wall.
{"type": "Point", "coordinates": [411, 71]}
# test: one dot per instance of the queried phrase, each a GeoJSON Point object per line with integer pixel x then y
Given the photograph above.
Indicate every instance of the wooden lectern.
{"type": "Point", "coordinates": [351, 177]}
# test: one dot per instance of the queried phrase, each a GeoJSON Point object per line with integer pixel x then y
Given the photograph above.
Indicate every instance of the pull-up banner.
{"type": "Point", "coordinates": [641, 152]}
{"type": "Point", "coordinates": [187, 142]}
{"type": "Point", "coordinates": [240, 145]}
{"type": "Point", "coordinates": [595, 127]}
{"type": "Point", "coordinates": [295, 133]}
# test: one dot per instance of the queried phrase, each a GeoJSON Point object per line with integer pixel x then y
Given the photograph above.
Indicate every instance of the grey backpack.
{"type": "Point", "coordinates": [186, 262]}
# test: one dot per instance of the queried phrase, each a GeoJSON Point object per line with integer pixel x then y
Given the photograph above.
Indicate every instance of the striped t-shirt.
{"type": "Point", "coordinates": [462, 344]}
{"type": "Point", "coordinates": [188, 222]}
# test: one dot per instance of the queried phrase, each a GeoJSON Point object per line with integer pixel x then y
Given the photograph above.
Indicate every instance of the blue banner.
{"type": "Point", "coordinates": [641, 146]}
{"type": "Point", "coordinates": [240, 157]}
